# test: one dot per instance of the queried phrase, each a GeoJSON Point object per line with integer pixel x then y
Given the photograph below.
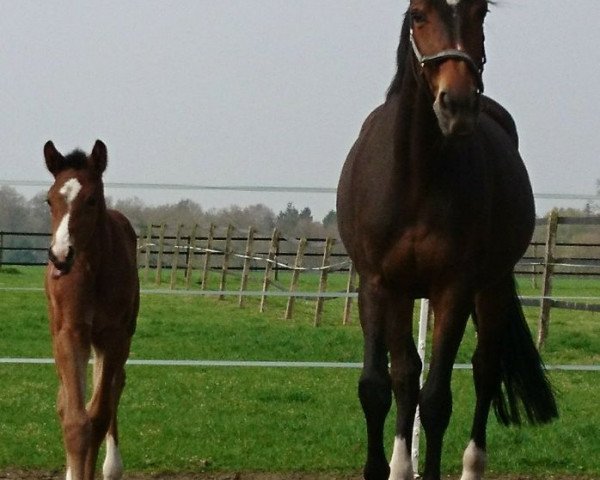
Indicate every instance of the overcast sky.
{"type": "Point", "coordinates": [270, 92]}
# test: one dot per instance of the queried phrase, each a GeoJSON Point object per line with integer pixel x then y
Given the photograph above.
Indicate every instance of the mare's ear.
{"type": "Point", "coordinates": [98, 158]}
{"type": "Point", "coordinates": [54, 159]}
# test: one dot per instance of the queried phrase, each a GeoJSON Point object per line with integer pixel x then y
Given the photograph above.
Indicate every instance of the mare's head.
{"type": "Point", "coordinates": [447, 42]}
{"type": "Point", "coordinates": [76, 201]}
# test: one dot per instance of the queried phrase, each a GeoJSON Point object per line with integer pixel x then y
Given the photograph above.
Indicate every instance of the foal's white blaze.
{"type": "Point", "coordinates": [70, 190]}
{"type": "Point", "coordinates": [62, 238]}
{"type": "Point", "coordinates": [401, 464]}
{"type": "Point", "coordinates": [112, 469]}
{"type": "Point", "coordinates": [474, 460]}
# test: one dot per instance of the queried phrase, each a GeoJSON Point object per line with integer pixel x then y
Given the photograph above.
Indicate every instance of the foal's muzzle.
{"type": "Point", "coordinates": [61, 267]}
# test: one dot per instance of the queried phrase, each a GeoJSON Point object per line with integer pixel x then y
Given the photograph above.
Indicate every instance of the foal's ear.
{"type": "Point", "coordinates": [54, 159]}
{"type": "Point", "coordinates": [98, 158]}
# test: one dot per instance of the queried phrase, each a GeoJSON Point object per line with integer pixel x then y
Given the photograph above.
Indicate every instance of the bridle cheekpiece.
{"type": "Point", "coordinates": [449, 54]}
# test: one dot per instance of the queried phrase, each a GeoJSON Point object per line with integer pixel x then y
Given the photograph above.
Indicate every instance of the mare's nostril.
{"type": "Point", "coordinates": [443, 100]}
{"type": "Point", "coordinates": [458, 104]}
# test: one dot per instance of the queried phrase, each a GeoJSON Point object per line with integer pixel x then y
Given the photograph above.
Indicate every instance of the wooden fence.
{"type": "Point", "coordinates": [192, 259]}
{"type": "Point", "coordinates": [207, 259]}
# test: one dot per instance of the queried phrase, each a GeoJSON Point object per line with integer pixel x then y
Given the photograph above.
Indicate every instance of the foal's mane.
{"type": "Point", "coordinates": [76, 160]}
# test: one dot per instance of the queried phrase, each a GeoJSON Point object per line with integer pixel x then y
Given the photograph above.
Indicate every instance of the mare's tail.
{"type": "Point", "coordinates": [524, 383]}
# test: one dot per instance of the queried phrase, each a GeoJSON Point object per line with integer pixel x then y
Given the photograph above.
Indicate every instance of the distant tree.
{"type": "Point", "coordinates": [594, 207]}
{"type": "Point", "coordinates": [14, 214]}
{"type": "Point", "coordinates": [287, 219]}
{"type": "Point", "coordinates": [305, 215]}
{"type": "Point", "coordinates": [330, 219]}
{"type": "Point", "coordinates": [39, 213]}
{"type": "Point", "coordinates": [259, 216]}
{"type": "Point", "coordinates": [135, 210]}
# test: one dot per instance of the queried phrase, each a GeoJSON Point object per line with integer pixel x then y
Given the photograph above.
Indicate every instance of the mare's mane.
{"type": "Point", "coordinates": [403, 51]}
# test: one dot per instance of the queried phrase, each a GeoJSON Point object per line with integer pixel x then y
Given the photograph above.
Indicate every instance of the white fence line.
{"type": "Point", "coordinates": [275, 293]}
{"type": "Point", "coordinates": [257, 188]}
{"type": "Point", "coordinates": [267, 364]}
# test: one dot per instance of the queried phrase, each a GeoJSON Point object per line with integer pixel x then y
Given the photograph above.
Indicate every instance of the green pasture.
{"type": "Point", "coordinates": [273, 419]}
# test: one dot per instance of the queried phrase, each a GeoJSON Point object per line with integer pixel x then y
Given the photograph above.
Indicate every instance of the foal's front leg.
{"type": "Point", "coordinates": [71, 353]}
{"type": "Point", "coordinates": [102, 409]}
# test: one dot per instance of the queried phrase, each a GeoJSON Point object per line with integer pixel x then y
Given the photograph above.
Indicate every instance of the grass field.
{"type": "Point", "coordinates": [273, 419]}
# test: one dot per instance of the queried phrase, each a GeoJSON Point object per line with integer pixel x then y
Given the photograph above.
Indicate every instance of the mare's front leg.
{"type": "Point", "coordinates": [71, 353]}
{"type": "Point", "coordinates": [405, 370]}
{"type": "Point", "coordinates": [452, 307]}
{"type": "Point", "coordinates": [490, 324]}
{"type": "Point", "coordinates": [374, 388]}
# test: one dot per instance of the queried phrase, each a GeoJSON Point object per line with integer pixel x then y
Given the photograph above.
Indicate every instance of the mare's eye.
{"type": "Point", "coordinates": [417, 17]}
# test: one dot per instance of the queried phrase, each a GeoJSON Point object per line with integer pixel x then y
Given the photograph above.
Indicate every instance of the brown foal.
{"type": "Point", "coordinates": [93, 298]}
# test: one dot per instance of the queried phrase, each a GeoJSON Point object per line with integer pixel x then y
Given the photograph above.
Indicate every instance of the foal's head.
{"type": "Point", "coordinates": [76, 201]}
{"type": "Point", "coordinates": [448, 44]}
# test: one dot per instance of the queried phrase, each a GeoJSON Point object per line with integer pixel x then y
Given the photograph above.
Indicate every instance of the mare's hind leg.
{"type": "Point", "coordinates": [452, 308]}
{"type": "Point", "coordinates": [374, 387]}
{"type": "Point", "coordinates": [491, 321]}
{"type": "Point", "coordinates": [405, 370]}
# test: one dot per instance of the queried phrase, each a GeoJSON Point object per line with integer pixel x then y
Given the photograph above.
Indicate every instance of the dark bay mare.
{"type": "Point", "coordinates": [93, 299]}
{"type": "Point", "coordinates": [434, 202]}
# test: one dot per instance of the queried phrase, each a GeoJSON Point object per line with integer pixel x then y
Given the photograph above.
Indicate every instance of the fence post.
{"type": "Point", "coordinates": [421, 346]}
{"type": "Point", "coordinates": [1, 248]}
{"type": "Point", "coordinates": [350, 288]}
{"type": "Point", "coordinates": [148, 251]}
{"type": "Point", "coordinates": [268, 267]}
{"type": "Point", "coordinates": [190, 257]}
{"type": "Point", "coordinates": [323, 280]}
{"type": "Point", "coordinates": [209, 242]}
{"type": "Point", "coordinates": [175, 256]}
{"type": "Point", "coordinates": [247, 265]}
{"type": "Point", "coordinates": [226, 257]}
{"type": "Point", "coordinates": [546, 303]}
{"type": "Point", "coordinates": [289, 309]}
{"type": "Point", "coordinates": [161, 250]}
{"type": "Point", "coordinates": [534, 268]}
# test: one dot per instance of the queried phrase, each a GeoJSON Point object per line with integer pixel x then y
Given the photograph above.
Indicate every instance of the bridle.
{"type": "Point", "coordinates": [450, 54]}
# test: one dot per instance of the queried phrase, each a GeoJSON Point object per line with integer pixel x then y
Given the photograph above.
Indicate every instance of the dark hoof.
{"type": "Point", "coordinates": [377, 471]}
